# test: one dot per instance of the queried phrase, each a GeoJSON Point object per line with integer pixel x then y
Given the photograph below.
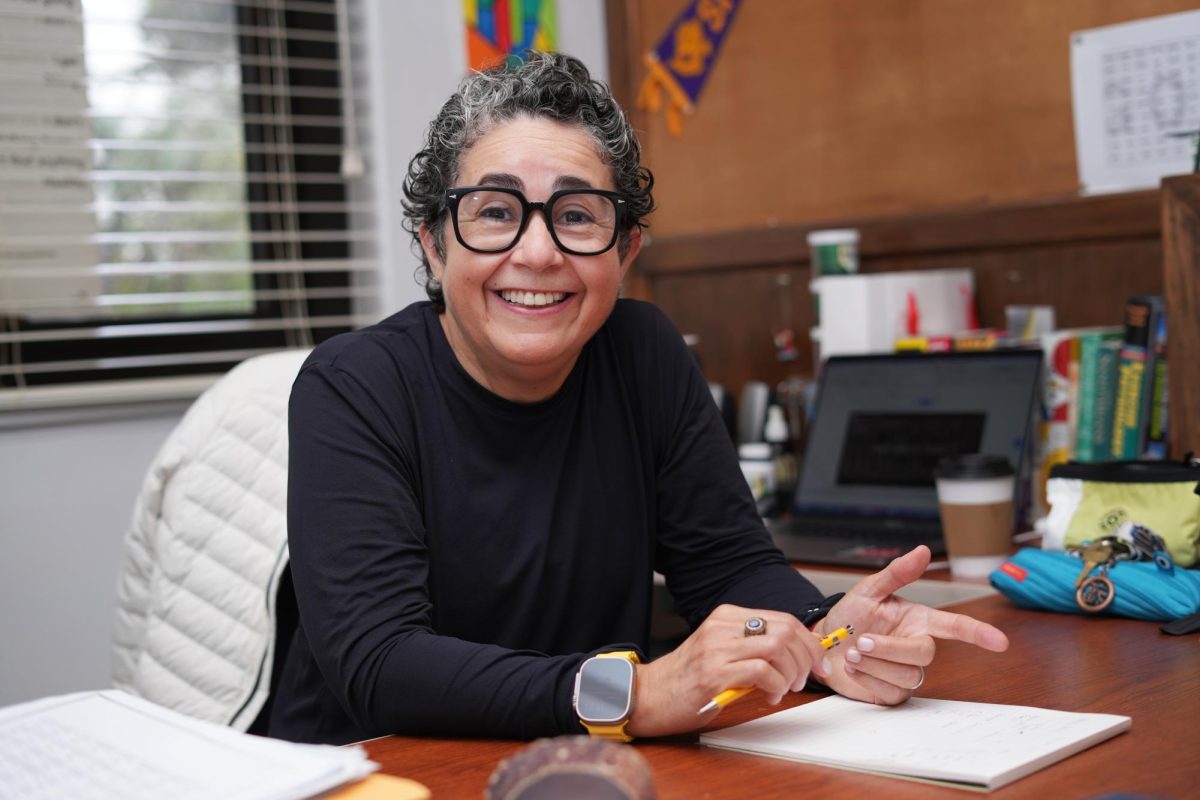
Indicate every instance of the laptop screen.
{"type": "Point", "coordinates": [882, 422]}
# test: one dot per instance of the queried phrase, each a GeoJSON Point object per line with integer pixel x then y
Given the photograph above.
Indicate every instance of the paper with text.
{"type": "Point", "coordinates": [979, 744]}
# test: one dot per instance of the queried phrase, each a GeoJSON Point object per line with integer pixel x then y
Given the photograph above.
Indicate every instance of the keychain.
{"type": "Point", "coordinates": [1094, 593]}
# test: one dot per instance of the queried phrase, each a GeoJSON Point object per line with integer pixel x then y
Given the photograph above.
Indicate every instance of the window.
{"type": "Point", "coordinates": [172, 192]}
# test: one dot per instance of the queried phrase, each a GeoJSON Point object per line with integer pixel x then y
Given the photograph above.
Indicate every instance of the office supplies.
{"type": "Point", "coordinates": [973, 745]}
{"type": "Point", "coordinates": [726, 697]}
{"type": "Point", "coordinates": [865, 492]}
{"type": "Point", "coordinates": [112, 744]}
{"type": "Point", "coordinates": [867, 313]}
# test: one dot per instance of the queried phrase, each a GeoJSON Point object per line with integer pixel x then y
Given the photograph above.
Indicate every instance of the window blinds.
{"type": "Point", "coordinates": [173, 192]}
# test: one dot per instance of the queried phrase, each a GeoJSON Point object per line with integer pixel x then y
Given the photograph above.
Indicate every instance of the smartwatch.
{"type": "Point", "coordinates": [603, 697]}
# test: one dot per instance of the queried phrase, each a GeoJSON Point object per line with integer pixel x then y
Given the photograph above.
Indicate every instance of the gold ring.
{"type": "Point", "coordinates": [755, 626]}
{"type": "Point", "coordinates": [920, 683]}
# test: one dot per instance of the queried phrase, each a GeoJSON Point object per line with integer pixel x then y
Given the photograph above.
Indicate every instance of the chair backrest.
{"type": "Point", "coordinates": [195, 627]}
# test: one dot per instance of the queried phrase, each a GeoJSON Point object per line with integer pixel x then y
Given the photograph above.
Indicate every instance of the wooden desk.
{"type": "Point", "coordinates": [1056, 661]}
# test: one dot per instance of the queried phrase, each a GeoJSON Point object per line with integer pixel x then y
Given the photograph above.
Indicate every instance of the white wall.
{"type": "Point", "coordinates": [66, 499]}
{"type": "Point", "coordinates": [67, 486]}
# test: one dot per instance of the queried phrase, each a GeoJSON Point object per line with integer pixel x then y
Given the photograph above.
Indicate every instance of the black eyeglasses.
{"type": "Point", "coordinates": [490, 219]}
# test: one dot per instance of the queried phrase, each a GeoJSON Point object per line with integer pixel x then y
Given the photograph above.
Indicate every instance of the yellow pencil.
{"type": "Point", "coordinates": [729, 695]}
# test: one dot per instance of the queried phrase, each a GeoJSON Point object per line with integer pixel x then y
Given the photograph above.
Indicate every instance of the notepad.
{"type": "Point", "coordinates": [970, 745]}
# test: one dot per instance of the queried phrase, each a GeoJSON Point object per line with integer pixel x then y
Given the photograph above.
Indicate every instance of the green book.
{"type": "Point", "coordinates": [1098, 354]}
{"type": "Point", "coordinates": [1135, 376]}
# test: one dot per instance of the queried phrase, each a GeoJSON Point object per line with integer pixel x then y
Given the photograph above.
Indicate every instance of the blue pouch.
{"type": "Point", "coordinates": [1045, 579]}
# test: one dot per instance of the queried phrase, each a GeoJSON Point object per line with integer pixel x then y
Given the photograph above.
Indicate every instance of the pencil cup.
{"type": "Point", "coordinates": [975, 497]}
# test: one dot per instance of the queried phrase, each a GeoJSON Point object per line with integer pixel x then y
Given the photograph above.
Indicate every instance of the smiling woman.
{"type": "Point", "coordinates": [504, 263]}
{"type": "Point", "coordinates": [482, 486]}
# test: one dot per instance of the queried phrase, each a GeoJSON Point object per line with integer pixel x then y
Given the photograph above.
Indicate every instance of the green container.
{"type": "Point", "coordinates": [834, 252]}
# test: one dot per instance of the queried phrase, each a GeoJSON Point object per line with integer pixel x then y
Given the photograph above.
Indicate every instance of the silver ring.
{"type": "Point", "coordinates": [920, 683]}
{"type": "Point", "coordinates": [755, 626]}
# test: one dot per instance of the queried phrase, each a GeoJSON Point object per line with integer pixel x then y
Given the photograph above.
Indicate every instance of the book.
{"type": "Point", "coordinates": [1098, 352]}
{"type": "Point", "coordinates": [1056, 442]}
{"type": "Point", "coordinates": [1106, 399]}
{"type": "Point", "coordinates": [1155, 445]}
{"type": "Point", "coordinates": [964, 744]}
{"type": "Point", "coordinates": [1135, 373]}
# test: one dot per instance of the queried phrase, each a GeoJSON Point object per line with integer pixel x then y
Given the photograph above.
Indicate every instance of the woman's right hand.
{"type": "Point", "coordinates": [670, 690]}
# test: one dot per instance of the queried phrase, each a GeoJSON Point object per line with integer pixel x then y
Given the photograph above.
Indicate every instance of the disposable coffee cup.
{"type": "Point", "coordinates": [834, 252]}
{"type": "Point", "coordinates": [975, 496]}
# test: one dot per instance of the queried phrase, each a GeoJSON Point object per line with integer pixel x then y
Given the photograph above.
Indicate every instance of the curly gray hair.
{"type": "Point", "coordinates": [551, 85]}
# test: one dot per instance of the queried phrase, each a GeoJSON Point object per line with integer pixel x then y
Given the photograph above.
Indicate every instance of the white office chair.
{"type": "Point", "coordinates": [195, 628]}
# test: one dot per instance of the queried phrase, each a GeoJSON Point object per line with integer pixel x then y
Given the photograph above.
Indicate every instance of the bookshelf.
{"type": "Point", "coordinates": [1181, 285]}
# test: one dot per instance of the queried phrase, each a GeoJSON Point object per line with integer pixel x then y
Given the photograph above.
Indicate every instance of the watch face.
{"type": "Point", "coordinates": [605, 690]}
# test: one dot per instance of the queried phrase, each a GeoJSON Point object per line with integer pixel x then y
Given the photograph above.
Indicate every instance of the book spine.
{"type": "Point", "coordinates": [1135, 376]}
{"type": "Point", "coordinates": [1106, 398]}
{"type": "Point", "coordinates": [1156, 432]}
{"type": "Point", "coordinates": [1093, 361]}
{"type": "Point", "coordinates": [1127, 418]}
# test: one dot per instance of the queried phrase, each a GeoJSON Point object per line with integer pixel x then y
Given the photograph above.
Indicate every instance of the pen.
{"type": "Point", "coordinates": [729, 695]}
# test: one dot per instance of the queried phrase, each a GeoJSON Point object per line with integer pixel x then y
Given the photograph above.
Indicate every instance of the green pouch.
{"type": "Point", "coordinates": [1088, 501]}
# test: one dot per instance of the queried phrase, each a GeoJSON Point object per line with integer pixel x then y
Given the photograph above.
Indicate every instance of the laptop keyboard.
{"type": "Point", "coordinates": [853, 542]}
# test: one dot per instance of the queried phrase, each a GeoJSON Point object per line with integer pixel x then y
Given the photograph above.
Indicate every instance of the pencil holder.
{"type": "Point", "coordinates": [1046, 579]}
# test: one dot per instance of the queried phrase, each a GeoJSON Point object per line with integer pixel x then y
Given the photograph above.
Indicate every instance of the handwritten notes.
{"type": "Point", "coordinates": [975, 744]}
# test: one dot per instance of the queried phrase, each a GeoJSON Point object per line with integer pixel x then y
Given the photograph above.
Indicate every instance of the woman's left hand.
{"type": "Point", "coordinates": [885, 661]}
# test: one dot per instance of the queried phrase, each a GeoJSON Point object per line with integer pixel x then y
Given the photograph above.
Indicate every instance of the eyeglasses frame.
{"type": "Point", "coordinates": [453, 195]}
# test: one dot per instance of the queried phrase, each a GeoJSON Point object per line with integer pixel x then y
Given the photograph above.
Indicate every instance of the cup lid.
{"type": "Point", "coordinates": [754, 450]}
{"type": "Point", "coordinates": [972, 466]}
{"type": "Point", "coordinates": [833, 236]}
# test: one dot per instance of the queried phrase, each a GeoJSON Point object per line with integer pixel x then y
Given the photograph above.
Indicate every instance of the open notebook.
{"type": "Point", "coordinates": [865, 493]}
{"type": "Point", "coordinates": [969, 745]}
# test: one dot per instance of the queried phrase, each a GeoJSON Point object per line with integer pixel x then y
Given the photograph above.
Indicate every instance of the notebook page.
{"type": "Point", "coordinates": [111, 744]}
{"type": "Point", "coordinates": [983, 744]}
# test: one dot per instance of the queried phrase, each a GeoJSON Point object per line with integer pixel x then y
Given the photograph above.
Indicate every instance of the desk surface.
{"type": "Point", "coordinates": [1056, 661]}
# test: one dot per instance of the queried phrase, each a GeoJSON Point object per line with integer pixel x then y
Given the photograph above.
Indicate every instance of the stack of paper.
{"type": "Point", "coordinates": [112, 744]}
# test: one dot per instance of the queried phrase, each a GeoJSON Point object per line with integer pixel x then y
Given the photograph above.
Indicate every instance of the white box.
{"type": "Point", "coordinates": [868, 313]}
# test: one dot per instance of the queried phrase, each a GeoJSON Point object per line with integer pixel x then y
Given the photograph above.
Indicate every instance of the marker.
{"type": "Point", "coordinates": [729, 695]}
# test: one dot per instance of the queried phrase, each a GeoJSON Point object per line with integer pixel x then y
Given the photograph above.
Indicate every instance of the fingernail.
{"type": "Point", "coordinates": [775, 699]}
{"type": "Point", "coordinates": [850, 670]}
{"type": "Point", "coordinates": [826, 666]}
{"type": "Point", "coordinates": [865, 644]}
{"type": "Point", "coordinates": [853, 655]}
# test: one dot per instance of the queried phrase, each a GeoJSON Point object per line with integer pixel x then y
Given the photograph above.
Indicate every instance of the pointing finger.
{"type": "Point", "coordinates": [896, 575]}
{"type": "Point", "coordinates": [960, 627]}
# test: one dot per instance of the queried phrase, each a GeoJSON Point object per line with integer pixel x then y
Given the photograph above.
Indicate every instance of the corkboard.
{"type": "Point", "coordinates": [827, 110]}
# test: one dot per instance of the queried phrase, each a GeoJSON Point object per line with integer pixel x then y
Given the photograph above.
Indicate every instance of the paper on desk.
{"type": "Point", "coordinates": [112, 744]}
{"type": "Point", "coordinates": [980, 745]}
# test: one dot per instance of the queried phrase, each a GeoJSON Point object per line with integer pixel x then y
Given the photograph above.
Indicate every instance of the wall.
{"type": "Point", "coordinates": [68, 480]}
{"type": "Point", "coordinates": [941, 129]}
{"type": "Point", "coordinates": [819, 110]}
{"type": "Point", "coordinates": [66, 498]}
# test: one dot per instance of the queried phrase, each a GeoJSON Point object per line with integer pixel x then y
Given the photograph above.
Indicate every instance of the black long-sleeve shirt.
{"type": "Point", "coordinates": [456, 556]}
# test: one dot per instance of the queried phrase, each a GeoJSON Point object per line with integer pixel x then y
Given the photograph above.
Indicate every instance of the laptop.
{"type": "Point", "coordinates": [865, 492]}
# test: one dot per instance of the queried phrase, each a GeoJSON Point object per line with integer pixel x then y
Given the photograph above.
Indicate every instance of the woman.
{"type": "Point", "coordinates": [482, 485]}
